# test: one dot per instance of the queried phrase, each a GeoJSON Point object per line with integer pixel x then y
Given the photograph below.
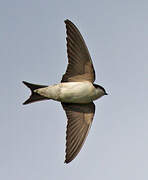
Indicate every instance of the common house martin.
{"type": "Point", "coordinates": [76, 91]}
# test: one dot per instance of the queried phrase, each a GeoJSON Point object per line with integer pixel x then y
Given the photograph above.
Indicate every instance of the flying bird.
{"type": "Point", "coordinates": [76, 91]}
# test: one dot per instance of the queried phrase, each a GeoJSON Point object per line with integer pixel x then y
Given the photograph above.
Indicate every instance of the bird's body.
{"type": "Point", "coordinates": [71, 92]}
{"type": "Point", "coordinates": [76, 92]}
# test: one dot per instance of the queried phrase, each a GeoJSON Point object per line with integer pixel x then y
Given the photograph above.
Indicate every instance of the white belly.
{"type": "Point", "coordinates": [76, 92]}
{"type": "Point", "coordinates": [71, 92]}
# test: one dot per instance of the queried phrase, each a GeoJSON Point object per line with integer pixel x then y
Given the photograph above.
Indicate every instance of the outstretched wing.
{"type": "Point", "coordinates": [80, 65]}
{"type": "Point", "coordinates": [80, 118]}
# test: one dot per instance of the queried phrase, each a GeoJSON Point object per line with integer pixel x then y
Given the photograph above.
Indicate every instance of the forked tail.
{"type": "Point", "coordinates": [34, 96]}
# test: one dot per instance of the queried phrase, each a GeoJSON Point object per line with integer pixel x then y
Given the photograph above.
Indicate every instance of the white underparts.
{"type": "Point", "coordinates": [72, 92]}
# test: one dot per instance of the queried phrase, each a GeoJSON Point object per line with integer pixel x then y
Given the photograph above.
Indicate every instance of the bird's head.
{"type": "Point", "coordinates": [101, 89]}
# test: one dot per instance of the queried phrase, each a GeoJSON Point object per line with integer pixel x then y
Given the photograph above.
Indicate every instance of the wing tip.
{"type": "Point", "coordinates": [67, 160]}
{"type": "Point", "coordinates": [67, 20]}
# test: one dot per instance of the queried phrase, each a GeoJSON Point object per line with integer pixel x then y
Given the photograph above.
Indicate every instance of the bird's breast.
{"type": "Point", "coordinates": [77, 92]}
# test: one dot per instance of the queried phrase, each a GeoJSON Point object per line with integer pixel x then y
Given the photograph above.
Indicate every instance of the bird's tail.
{"type": "Point", "coordinates": [34, 96]}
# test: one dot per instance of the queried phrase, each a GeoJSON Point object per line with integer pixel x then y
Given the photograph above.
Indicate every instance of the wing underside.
{"type": "Point", "coordinates": [80, 118]}
{"type": "Point", "coordinates": [80, 65]}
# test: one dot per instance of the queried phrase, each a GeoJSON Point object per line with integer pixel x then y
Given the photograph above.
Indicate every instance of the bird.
{"type": "Point", "coordinates": [76, 91]}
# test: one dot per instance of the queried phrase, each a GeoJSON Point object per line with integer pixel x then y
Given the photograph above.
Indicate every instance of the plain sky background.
{"type": "Point", "coordinates": [33, 48]}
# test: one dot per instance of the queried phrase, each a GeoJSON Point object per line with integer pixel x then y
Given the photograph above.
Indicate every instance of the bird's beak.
{"type": "Point", "coordinates": [106, 94]}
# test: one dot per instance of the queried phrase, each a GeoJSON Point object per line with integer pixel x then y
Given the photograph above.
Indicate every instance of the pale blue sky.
{"type": "Point", "coordinates": [33, 48]}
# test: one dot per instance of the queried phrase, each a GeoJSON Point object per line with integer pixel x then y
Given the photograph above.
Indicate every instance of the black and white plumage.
{"type": "Point", "coordinates": [76, 92]}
